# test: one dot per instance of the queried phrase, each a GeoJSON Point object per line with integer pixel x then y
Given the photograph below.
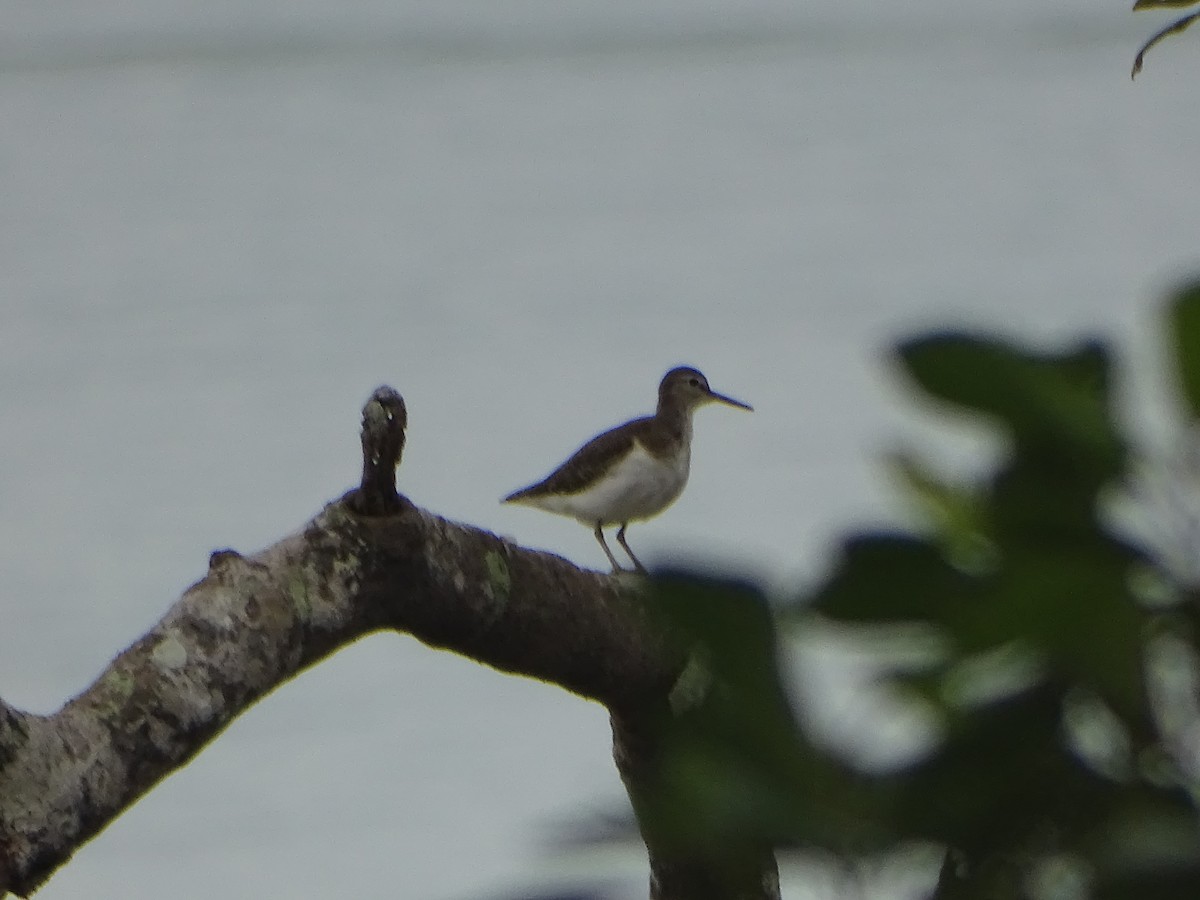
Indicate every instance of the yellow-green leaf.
{"type": "Point", "coordinates": [1185, 343]}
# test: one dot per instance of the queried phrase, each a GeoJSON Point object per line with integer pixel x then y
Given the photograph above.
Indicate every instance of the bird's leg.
{"type": "Point", "coordinates": [612, 559]}
{"type": "Point", "coordinates": [621, 541]}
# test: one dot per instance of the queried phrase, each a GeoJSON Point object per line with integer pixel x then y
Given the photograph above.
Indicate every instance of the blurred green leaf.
{"type": "Point", "coordinates": [895, 577]}
{"type": "Point", "coordinates": [1057, 404]}
{"type": "Point", "coordinates": [733, 748]}
{"type": "Point", "coordinates": [957, 513]}
{"type": "Point", "coordinates": [1058, 578]}
{"type": "Point", "coordinates": [1001, 773]}
{"type": "Point", "coordinates": [1073, 603]}
{"type": "Point", "coordinates": [735, 766]}
{"type": "Point", "coordinates": [1042, 499]}
{"type": "Point", "coordinates": [1184, 323]}
{"type": "Point", "coordinates": [993, 675]}
{"type": "Point", "coordinates": [735, 627]}
{"type": "Point", "coordinates": [1070, 599]}
{"type": "Point", "coordinates": [1148, 848]}
{"type": "Point", "coordinates": [1153, 4]}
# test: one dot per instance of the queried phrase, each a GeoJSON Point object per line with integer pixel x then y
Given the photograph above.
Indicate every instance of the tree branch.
{"type": "Point", "coordinates": [368, 561]}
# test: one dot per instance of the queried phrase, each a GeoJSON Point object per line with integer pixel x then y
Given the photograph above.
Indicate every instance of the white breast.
{"type": "Point", "coordinates": [638, 487]}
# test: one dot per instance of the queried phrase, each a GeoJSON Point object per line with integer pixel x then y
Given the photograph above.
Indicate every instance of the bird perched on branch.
{"type": "Point", "coordinates": [633, 471]}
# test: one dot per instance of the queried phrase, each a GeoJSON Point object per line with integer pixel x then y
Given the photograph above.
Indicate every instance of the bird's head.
{"type": "Point", "coordinates": [686, 388]}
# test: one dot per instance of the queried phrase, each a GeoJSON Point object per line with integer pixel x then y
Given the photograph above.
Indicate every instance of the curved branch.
{"type": "Point", "coordinates": [368, 561]}
{"type": "Point", "coordinates": [1174, 28]}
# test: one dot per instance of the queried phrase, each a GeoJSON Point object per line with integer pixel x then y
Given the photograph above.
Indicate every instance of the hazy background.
{"type": "Point", "coordinates": [223, 224]}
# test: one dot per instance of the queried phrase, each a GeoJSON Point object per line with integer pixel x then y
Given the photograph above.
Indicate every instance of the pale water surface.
{"type": "Point", "coordinates": [222, 225]}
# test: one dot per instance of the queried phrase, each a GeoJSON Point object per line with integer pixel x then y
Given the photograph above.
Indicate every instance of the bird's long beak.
{"type": "Point", "coordinates": [729, 401]}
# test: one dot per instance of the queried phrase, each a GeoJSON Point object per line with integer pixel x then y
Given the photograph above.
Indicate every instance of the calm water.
{"type": "Point", "coordinates": [222, 227]}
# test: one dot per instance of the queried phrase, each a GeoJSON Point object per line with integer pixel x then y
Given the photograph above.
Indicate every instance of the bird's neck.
{"type": "Point", "coordinates": [676, 420]}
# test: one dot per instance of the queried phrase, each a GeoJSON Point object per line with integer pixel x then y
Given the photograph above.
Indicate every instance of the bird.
{"type": "Point", "coordinates": [631, 472]}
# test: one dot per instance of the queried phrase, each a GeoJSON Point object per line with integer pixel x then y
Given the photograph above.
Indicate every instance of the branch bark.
{"type": "Point", "coordinates": [369, 561]}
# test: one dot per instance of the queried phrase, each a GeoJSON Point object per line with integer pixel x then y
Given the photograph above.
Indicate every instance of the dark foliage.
{"type": "Point", "coordinates": [1066, 680]}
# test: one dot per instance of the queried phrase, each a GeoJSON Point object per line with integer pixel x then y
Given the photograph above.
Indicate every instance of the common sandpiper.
{"type": "Point", "coordinates": [633, 471]}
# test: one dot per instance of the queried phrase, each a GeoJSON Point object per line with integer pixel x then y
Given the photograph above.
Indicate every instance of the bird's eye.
{"type": "Point", "coordinates": [694, 382]}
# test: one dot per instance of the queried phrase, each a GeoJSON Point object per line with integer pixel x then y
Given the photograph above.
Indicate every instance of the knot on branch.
{"type": "Point", "coordinates": [384, 419]}
{"type": "Point", "coordinates": [223, 560]}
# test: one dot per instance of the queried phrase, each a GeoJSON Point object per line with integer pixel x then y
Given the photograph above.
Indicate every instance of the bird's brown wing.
{"type": "Point", "coordinates": [587, 464]}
